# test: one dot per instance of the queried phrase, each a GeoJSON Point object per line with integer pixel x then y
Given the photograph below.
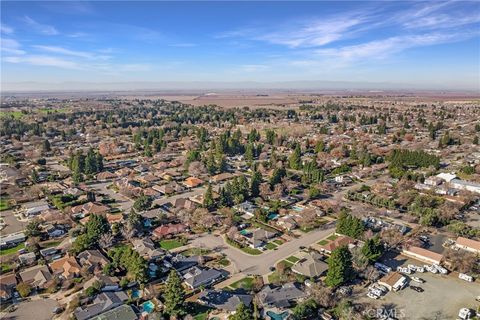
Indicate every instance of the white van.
{"type": "Point", "coordinates": [465, 277]}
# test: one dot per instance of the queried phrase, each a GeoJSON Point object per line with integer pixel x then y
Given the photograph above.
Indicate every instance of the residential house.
{"type": "Point", "coordinates": [11, 240]}
{"type": "Point", "coordinates": [103, 302]}
{"type": "Point", "coordinates": [37, 276]}
{"type": "Point", "coordinates": [169, 230]}
{"type": "Point", "coordinates": [465, 185]}
{"type": "Point", "coordinates": [27, 259]}
{"type": "Point", "coordinates": [197, 277]}
{"type": "Point", "coordinates": [468, 244]}
{"type": "Point", "coordinates": [89, 208]}
{"type": "Point", "coordinates": [311, 265]}
{"type": "Point", "coordinates": [92, 260]}
{"type": "Point", "coordinates": [337, 243]}
{"type": "Point", "coordinates": [181, 263]}
{"type": "Point", "coordinates": [423, 255]}
{"type": "Point", "coordinates": [224, 300]}
{"type": "Point", "coordinates": [106, 176]}
{"type": "Point", "coordinates": [247, 208]}
{"type": "Point", "coordinates": [31, 209]}
{"type": "Point", "coordinates": [66, 267]}
{"type": "Point", "coordinates": [108, 283]}
{"type": "Point", "coordinates": [8, 283]}
{"type": "Point", "coordinates": [192, 182]}
{"type": "Point", "coordinates": [286, 222]}
{"type": "Point", "coordinates": [123, 312]}
{"type": "Point", "coordinates": [184, 203]}
{"type": "Point", "coordinates": [281, 297]}
{"type": "Point", "coordinates": [146, 248]}
{"type": "Point", "coordinates": [259, 237]}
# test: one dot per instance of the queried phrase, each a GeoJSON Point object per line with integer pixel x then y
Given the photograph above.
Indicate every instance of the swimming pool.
{"type": "Point", "coordinates": [244, 232]}
{"type": "Point", "coordinates": [148, 306]}
{"type": "Point", "coordinates": [272, 216]}
{"type": "Point", "coordinates": [277, 316]}
{"type": "Point", "coordinates": [136, 294]}
{"type": "Point", "coordinates": [298, 209]}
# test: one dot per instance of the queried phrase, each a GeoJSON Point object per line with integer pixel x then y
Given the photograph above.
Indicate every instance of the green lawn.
{"type": "Point", "coordinates": [271, 246]}
{"type": "Point", "coordinates": [251, 251]}
{"type": "Point", "coordinates": [4, 204]}
{"type": "Point", "coordinates": [12, 250]}
{"type": "Point", "coordinates": [332, 237]}
{"type": "Point", "coordinates": [50, 244]}
{"type": "Point", "coordinates": [5, 267]}
{"type": "Point", "coordinates": [224, 262]}
{"type": "Point", "coordinates": [170, 244]}
{"type": "Point", "coordinates": [274, 277]}
{"type": "Point", "coordinates": [292, 259]}
{"type": "Point", "coordinates": [287, 263]}
{"type": "Point", "coordinates": [196, 252]}
{"type": "Point", "coordinates": [278, 242]}
{"type": "Point", "coordinates": [245, 283]}
{"type": "Point", "coordinates": [323, 242]}
{"type": "Point", "coordinates": [14, 114]}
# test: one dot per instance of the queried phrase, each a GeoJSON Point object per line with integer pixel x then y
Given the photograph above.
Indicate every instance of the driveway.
{"type": "Point", "coordinates": [259, 264]}
{"type": "Point", "coordinates": [35, 309]}
{"type": "Point", "coordinates": [12, 224]}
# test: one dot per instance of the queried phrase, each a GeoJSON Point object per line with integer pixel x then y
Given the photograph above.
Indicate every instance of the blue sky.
{"type": "Point", "coordinates": [426, 44]}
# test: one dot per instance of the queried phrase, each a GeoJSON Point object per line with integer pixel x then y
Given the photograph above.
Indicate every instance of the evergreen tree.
{"type": "Point", "coordinates": [34, 176]}
{"type": "Point", "coordinates": [46, 146]}
{"type": "Point", "coordinates": [242, 313]}
{"type": "Point", "coordinates": [255, 184]}
{"type": "Point", "coordinates": [372, 249]}
{"type": "Point", "coordinates": [340, 268]}
{"type": "Point", "coordinates": [174, 295]}
{"type": "Point", "coordinates": [208, 201]}
{"type": "Point", "coordinates": [295, 159]}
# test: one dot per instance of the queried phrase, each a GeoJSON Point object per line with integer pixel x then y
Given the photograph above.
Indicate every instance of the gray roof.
{"type": "Point", "coordinates": [224, 300]}
{"type": "Point", "coordinates": [280, 297]}
{"type": "Point", "coordinates": [102, 303]}
{"type": "Point", "coordinates": [196, 277]}
{"type": "Point", "coordinates": [311, 265]}
{"type": "Point", "coordinates": [123, 312]}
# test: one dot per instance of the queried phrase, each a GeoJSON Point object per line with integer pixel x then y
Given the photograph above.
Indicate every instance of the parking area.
{"type": "Point", "coordinates": [12, 224]}
{"type": "Point", "coordinates": [442, 297]}
{"type": "Point", "coordinates": [35, 309]}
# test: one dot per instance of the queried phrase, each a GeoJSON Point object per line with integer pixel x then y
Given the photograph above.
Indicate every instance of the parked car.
{"type": "Point", "coordinates": [372, 296]}
{"type": "Point", "coordinates": [417, 279]}
{"type": "Point", "coordinates": [465, 277]}
{"type": "Point", "coordinates": [417, 289]}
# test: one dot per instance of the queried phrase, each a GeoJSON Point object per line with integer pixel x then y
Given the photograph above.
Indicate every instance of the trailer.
{"type": "Point", "coordinates": [465, 277]}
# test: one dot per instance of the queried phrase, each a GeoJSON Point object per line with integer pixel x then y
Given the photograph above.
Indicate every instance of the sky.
{"type": "Point", "coordinates": [421, 44]}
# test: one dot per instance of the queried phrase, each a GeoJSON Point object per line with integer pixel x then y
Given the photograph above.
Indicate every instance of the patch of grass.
{"type": "Point", "coordinates": [52, 110]}
{"type": "Point", "coordinates": [245, 283]}
{"type": "Point", "coordinates": [196, 252]}
{"type": "Point", "coordinates": [5, 267]}
{"type": "Point", "coordinates": [323, 242]}
{"type": "Point", "coordinates": [4, 204]}
{"type": "Point", "coordinates": [274, 277]}
{"type": "Point", "coordinates": [11, 114]}
{"type": "Point", "coordinates": [332, 237]}
{"type": "Point", "coordinates": [251, 251]}
{"type": "Point", "coordinates": [12, 250]}
{"type": "Point", "coordinates": [271, 246]}
{"type": "Point", "coordinates": [287, 263]}
{"type": "Point", "coordinates": [170, 244]}
{"type": "Point", "coordinates": [292, 259]}
{"type": "Point", "coordinates": [278, 242]}
{"type": "Point", "coordinates": [224, 262]}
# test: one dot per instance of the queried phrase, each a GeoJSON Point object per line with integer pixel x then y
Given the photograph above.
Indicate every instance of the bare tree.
{"type": "Point", "coordinates": [106, 240]}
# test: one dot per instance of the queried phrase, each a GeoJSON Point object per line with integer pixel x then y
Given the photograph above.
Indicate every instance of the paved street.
{"type": "Point", "coordinates": [35, 309]}
{"type": "Point", "coordinates": [260, 264]}
{"type": "Point", "coordinates": [124, 203]}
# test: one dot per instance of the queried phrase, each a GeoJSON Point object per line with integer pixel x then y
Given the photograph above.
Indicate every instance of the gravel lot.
{"type": "Point", "coordinates": [443, 297]}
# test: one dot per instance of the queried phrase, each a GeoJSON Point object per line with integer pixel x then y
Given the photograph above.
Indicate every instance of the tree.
{"type": "Point", "coordinates": [208, 201]}
{"type": "Point", "coordinates": [96, 226]}
{"type": "Point", "coordinates": [340, 268]}
{"type": "Point", "coordinates": [142, 203]}
{"type": "Point", "coordinates": [33, 228]}
{"type": "Point", "coordinates": [34, 176]}
{"type": "Point", "coordinates": [134, 221]}
{"type": "Point", "coordinates": [174, 295]}
{"type": "Point", "coordinates": [255, 184]}
{"type": "Point", "coordinates": [372, 249]}
{"type": "Point", "coordinates": [304, 310]}
{"type": "Point", "coordinates": [242, 313]}
{"type": "Point", "coordinates": [23, 289]}
{"type": "Point", "coordinates": [295, 159]}
{"type": "Point", "coordinates": [46, 146]}
{"type": "Point", "coordinates": [349, 225]}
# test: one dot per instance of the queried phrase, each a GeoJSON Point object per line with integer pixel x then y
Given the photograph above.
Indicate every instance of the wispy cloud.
{"type": "Point", "coordinates": [74, 53]}
{"type": "Point", "coordinates": [43, 60]}
{"type": "Point", "coordinates": [11, 46]}
{"type": "Point", "coordinates": [41, 28]}
{"type": "Point", "coordinates": [6, 29]}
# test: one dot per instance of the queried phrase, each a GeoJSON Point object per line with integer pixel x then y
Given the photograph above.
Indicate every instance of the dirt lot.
{"type": "Point", "coordinates": [443, 297]}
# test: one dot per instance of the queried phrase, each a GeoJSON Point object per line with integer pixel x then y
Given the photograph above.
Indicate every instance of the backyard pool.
{"type": "Point", "coordinates": [272, 216]}
{"type": "Point", "coordinates": [277, 316]}
{"type": "Point", "coordinates": [244, 232]}
{"type": "Point", "coordinates": [298, 209]}
{"type": "Point", "coordinates": [136, 294]}
{"type": "Point", "coordinates": [148, 306]}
